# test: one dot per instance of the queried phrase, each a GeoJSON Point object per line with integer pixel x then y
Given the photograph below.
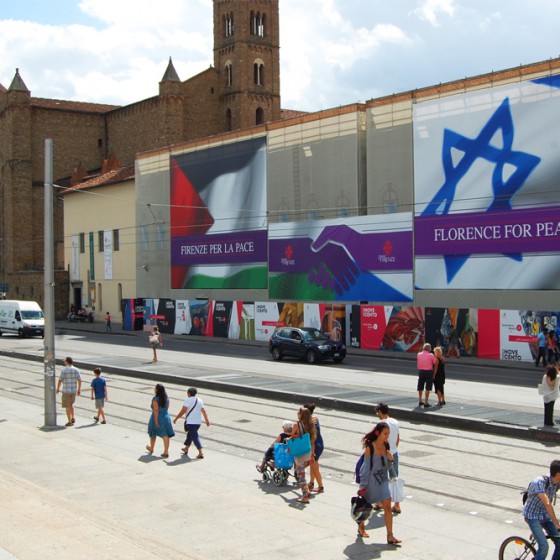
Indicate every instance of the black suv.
{"type": "Point", "coordinates": [305, 342]}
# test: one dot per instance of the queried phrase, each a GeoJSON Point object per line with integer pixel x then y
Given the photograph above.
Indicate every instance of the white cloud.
{"type": "Point", "coordinates": [429, 10]}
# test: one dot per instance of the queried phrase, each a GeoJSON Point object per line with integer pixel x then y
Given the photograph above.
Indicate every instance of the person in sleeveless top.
{"type": "Point", "coordinates": [314, 472]}
{"type": "Point", "coordinates": [374, 477]}
{"type": "Point", "coordinates": [302, 426]}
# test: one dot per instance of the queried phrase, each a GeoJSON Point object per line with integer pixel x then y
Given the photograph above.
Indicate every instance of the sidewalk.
{"type": "Point", "coordinates": [497, 417]}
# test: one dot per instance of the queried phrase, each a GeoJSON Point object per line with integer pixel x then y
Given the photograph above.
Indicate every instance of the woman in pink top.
{"type": "Point", "coordinates": [426, 363]}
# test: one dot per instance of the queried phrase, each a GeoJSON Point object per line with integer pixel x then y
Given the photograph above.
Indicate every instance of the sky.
{"type": "Point", "coordinates": [332, 52]}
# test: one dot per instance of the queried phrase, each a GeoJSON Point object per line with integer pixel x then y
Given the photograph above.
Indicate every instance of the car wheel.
{"type": "Point", "coordinates": [337, 360]}
{"type": "Point", "coordinates": [276, 354]}
{"type": "Point", "coordinates": [310, 357]}
{"type": "Point", "coordinates": [20, 333]}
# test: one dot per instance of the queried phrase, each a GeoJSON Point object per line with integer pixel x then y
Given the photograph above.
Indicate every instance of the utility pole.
{"type": "Point", "coordinates": [50, 363]}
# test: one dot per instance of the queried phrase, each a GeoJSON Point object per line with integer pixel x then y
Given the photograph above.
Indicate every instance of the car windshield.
{"type": "Point", "coordinates": [314, 334]}
{"type": "Point", "coordinates": [32, 314]}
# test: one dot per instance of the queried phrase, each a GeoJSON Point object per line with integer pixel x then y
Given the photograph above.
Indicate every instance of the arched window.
{"type": "Point", "coordinates": [259, 119]}
{"type": "Point", "coordinates": [228, 25]}
{"type": "Point", "coordinates": [257, 24]}
{"type": "Point", "coordinates": [258, 72]}
{"type": "Point", "coordinates": [228, 120]}
{"type": "Point", "coordinates": [229, 73]}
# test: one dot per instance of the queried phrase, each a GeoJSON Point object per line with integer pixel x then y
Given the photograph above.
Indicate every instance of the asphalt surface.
{"type": "Point", "coordinates": [489, 413]}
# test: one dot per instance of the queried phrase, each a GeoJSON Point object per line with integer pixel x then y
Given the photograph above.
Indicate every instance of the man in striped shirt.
{"type": "Point", "coordinates": [539, 513]}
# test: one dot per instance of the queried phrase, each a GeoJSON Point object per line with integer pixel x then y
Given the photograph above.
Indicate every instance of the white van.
{"type": "Point", "coordinates": [24, 318]}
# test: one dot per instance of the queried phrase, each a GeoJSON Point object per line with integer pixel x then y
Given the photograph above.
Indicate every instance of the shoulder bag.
{"type": "Point", "coordinates": [300, 445]}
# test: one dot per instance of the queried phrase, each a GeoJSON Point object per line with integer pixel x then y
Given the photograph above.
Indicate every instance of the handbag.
{"type": "Point", "coordinates": [300, 445]}
{"type": "Point", "coordinates": [396, 487]}
{"type": "Point", "coordinates": [283, 459]}
{"type": "Point", "coordinates": [360, 509]}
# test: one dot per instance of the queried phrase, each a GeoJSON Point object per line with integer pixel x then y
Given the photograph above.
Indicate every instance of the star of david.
{"type": "Point", "coordinates": [482, 147]}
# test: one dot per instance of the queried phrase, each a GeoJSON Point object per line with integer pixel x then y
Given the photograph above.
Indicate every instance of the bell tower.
{"type": "Point", "coordinates": [247, 59]}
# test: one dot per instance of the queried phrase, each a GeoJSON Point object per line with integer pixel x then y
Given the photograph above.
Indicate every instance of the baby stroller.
{"type": "Point", "coordinates": [278, 471]}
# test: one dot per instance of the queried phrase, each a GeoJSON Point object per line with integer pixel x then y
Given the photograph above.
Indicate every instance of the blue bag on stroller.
{"type": "Point", "coordinates": [282, 458]}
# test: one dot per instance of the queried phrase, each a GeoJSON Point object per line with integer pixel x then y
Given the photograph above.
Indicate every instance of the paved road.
{"type": "Point", "coordinates": [485, 407]}
{"type": "Point", "coordinates": [92, 492]}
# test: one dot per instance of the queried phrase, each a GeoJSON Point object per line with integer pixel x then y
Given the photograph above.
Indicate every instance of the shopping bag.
{"type": "Point", "coordinates": [282, 458]}
{"type": "Point", "coordinates": [300, 445]}
{"type": "Point", "coordinates": [396, 487]}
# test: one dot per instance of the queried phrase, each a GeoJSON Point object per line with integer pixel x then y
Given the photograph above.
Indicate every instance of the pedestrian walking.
{"type": "Point", "coordinates": [550, 392]}
{"type": "Point", "coordinates": [314, 471]}
{"type": "Point", "coordinates": [108, 322]}
{"type": "Point", "coordinates": [541, 352]}
{"type": "Point", "coordinates": [426, 362]}
{"type": "Point", "coordinates": [155, 341]}
{"type": "Point", "coordinates": [99, 392]}
{"type": "Point", "coordinates": [304, 425]}
{"type": "Point", "coordinates": [374, 477]}
{"type": "Point", "coordinates": [71, 383]}
{"type": "Point", "coordinates": [160, 424]}
{"type": "Point", "coordinates": [539, 513]}
{"type": "Point", "coordinates": [439, 375]}
{"type": "Point", "coordinates": [394, 440]}
{"type": "Point", "coordinates": [194, 408]}
{"type": "Point", "coordinates": [551, 348]}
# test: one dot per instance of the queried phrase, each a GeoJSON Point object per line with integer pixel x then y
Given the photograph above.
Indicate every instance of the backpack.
{"type": "Point", "coordinates": [525, 493]}
{"type": "Point", "coordinates": [360, 462]}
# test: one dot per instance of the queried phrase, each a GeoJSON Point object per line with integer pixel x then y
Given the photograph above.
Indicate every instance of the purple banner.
{"type": "Point", "coordinates": [375, 252]}
{"type": "Point", "coordinates": [516, 231]}
{"type": "Point", "coordinates": [226, 248]}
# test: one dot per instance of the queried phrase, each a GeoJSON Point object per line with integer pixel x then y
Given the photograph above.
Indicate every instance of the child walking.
{"type": "Point", "coordinates": [99, 392]}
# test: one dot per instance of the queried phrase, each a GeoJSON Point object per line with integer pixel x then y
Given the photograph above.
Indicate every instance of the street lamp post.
{"type": "Point", "coordinates": [49, 358]}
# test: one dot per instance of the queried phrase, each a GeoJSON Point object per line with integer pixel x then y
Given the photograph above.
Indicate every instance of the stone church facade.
{"type": "Point", "coordinates": [240, 90]}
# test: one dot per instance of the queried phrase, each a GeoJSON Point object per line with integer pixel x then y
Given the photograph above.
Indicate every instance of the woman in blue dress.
{"type": "Point", "coordinates": [160, 421]}
{"type": "Point", "coordinates": [374, 477]}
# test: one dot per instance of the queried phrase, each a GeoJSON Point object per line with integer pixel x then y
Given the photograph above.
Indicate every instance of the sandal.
{"type": "Point", "coordinates": [303, 500]}
{"type": "Point", "coordinates": [149, 449]}
{"type": "Point", "coordinates": [310, 486]}
{"type": "Point", "coordinates": [201, 456]}
{"type": "Point", "coordinates": [320, 490]}
{"type": "Point", "coordinates": [363, 533]}
{"type": "Point", "coordinates": [392, 540]}
{"type": "Point", "coordinates": [396, 509]}
{"type": "Point", "coordinates": [165, 455]}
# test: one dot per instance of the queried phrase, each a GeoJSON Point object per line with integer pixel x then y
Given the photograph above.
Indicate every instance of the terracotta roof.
{"type": "Point", "coordinates": [291, 113]}
{"type": "Point", "coordinates": [109, 178]}
{"type": "Point", "coordinates": [72, 105]}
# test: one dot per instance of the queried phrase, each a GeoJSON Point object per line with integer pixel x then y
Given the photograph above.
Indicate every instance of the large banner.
{"type": "Point", "coordinates": [353, 259]}
{"type": "Point", "coordinates": [487, 203]}
{"type": "Point", "coordinates": [218, 217]}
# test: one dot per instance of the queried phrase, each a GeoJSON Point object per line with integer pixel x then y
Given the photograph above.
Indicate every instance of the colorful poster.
{"type": "Point", "coordinates": [453, 329]}
{"type": "Point", "coordinates": [218, 217]}
{"type": "Point", "coordinates": [373, 323]}
{"type": "Point", "coordinates": [352, 259]}
{"type": "Point", "coordinates": [518, 335]}
{"type": "Point", "coordinates": [243, 328]}
{"type": "Point", "coordinates": [221, 318]}
{"type": "Point", "coordinates": [182, 317]}
{"type": "Point", "coordinates": [267, 319]}
{"type": "Point", "coordinates": [405, 330]}
{"type": "Point", "coordinates": [329, 319]}
{"type": "Point", "coordinates": [199, 317]}
{"type": "Point", "coordinates": [486, 190]}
